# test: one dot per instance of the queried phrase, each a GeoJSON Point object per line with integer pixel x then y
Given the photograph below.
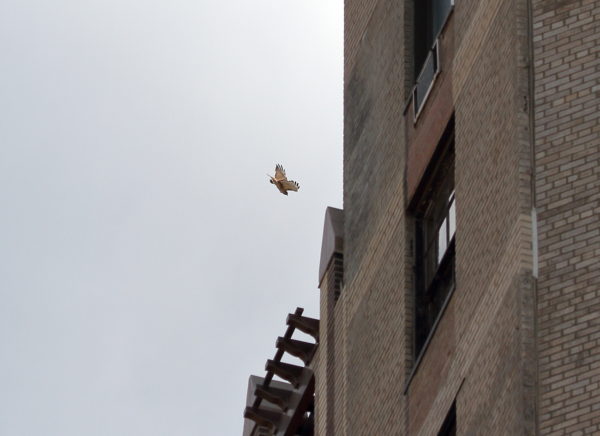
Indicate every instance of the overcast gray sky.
{"type": "Point", "coordinates": [146, 264]}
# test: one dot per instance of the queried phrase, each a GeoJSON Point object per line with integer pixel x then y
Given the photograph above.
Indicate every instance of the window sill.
{"type": "Point", "coordinates": [421, 355]}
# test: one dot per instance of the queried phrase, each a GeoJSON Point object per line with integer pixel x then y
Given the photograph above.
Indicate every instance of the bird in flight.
{"type": "Point", "coordinates": [280, 180]}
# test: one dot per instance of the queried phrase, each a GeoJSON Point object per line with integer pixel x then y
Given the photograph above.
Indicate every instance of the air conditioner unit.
{"type": "Point", "coordinates": [426, 78]}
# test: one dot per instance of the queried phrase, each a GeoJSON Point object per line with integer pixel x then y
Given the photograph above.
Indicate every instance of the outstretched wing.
{"type": "Point", "coordinates": [290, 185]}
{"type": "Point", "coordinates": [279, 173]}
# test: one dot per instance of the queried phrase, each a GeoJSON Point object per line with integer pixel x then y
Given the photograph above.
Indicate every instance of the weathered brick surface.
{"type": "Point", "coordinates": [324, 362]}
{"type": "Point", "coordinates": [373, 154]}
{"type": "Point", "coordinates": [371, 310]}
{"type": "Point", "coordinates": [487, 161]}
{"type": "Point", "coordinates": [376, 345]}
{"type": "Point", "coordinates": [340, 370]}
{"type": "Point", "coordinates": [567, 130]}
{"type": "Point", "coordinates": [489, 402]}
{"type": "Point", "coordinates": [318, 365]}
{"type": "Point", "coordinates": [357, 14]}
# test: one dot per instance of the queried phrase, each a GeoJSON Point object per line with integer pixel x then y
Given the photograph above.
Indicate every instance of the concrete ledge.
{"type": "Point", "coordinates": [333, 238]}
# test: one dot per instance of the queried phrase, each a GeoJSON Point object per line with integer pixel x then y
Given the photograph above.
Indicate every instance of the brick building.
{"type": "Point", "coordinates": [460, 286]}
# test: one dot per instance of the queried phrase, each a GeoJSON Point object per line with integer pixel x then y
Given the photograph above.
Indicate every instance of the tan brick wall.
{"type": "Point", "coordinates": [489, 401]}
{"type": "Point", "coordinates": [373, 153]}
{"type": "Point", "coordinates": [340, 418]}
{"type": "Point", "coordinates": [324, 362]}
{"type": "Point", "coordinates": [567, 112]}
{"type": "Point", "coordinates": [376, 341]}
{"type": "Point", "coordinates": [370, 315]}
{"type": "Point", "coordinates": [357, 14]}
{"type": "Point", "coordinates": [487, 170]}
{"type": "Point", "coordinates": [318, 365]}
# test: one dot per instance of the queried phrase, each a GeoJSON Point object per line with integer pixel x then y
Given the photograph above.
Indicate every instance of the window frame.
{"type": "Point", "coordinates": [433, 208]}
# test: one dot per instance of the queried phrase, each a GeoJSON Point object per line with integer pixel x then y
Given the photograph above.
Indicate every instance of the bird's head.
{"type": "Point", "coordinates": [270, 179]}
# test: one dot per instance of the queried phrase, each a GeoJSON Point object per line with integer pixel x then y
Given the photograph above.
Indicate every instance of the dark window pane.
{"type": "Point", "coordinates": [449, 425]}
{"type": "Point", "coordinates": [440, 10]}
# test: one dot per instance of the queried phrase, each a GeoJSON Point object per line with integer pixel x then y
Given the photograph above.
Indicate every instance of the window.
{"type": "Point", "coordinates": [435, 227]}
{"type": "Point", "coordinates": [430, 16]}
{"type": "Point", "coordinates": [429, 19]}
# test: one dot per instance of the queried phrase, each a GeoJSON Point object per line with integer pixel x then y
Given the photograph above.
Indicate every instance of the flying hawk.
{"type": "Point", "coordinates": [280, 180]}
